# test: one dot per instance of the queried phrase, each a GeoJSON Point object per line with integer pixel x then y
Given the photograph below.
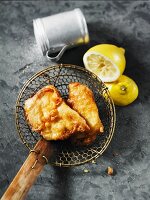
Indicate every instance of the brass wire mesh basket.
{"type": "Point", "coordinates": [66, 154]}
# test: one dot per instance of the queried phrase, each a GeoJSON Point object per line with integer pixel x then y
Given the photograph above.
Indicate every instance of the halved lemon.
{"type": "Point", "coordinates": [106, 61]}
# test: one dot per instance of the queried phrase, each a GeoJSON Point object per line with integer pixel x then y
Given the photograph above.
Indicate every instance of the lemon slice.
{"type": "Point", "coordinates": [102, 66]}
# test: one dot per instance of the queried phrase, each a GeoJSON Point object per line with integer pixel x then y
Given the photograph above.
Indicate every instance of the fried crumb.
{"type": "Point", "coordinates": [93, 162]}
{"type": "Point", "coordinates": [110, 171]}
{"type": "Point", "coordinates": [86, 170]}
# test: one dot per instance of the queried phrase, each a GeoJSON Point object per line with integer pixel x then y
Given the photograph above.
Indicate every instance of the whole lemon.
{"type": "Point", "coordinates": [123, 91]}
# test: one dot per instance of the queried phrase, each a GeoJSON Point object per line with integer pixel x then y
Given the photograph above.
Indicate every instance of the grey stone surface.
{"type": "Point", "coordinates": [123, 23]}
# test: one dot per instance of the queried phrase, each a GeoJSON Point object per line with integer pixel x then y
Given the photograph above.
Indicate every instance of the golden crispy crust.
{"type": "Point", "coordinates": [81, 99]}
{"type": "Point", "coordinates": [49, 115]}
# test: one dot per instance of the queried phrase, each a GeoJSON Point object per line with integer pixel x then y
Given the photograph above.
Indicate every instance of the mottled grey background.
{"type": "Point", "coordinates": [122, 23]}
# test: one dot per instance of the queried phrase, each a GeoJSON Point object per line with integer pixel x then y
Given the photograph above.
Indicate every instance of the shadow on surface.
{"type": "Point", "coordinates": [62, 176]}
{"type": "Point", "coordinates": [128, 121]}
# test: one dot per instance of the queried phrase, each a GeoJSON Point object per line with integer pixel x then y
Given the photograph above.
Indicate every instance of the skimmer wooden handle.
{"type": "Point", "coordinates": [29, 171]}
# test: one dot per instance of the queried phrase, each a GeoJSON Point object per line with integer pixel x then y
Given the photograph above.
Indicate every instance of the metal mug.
{"type": "Point", "coordinates": [59, 32]}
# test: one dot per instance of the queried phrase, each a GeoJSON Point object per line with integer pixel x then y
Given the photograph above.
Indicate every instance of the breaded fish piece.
{"type": "Point", "coordinates": [49, 115]}
{"type": "Point", "coordinates": [81, 99]}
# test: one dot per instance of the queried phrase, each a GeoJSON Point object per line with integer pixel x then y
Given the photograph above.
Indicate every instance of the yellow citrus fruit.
{"type": "Point", "coordinates": [123, 91]}
{"type": "Point", "coordinates": [106, 61]}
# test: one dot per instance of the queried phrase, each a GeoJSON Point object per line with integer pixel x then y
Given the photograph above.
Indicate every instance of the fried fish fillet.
{"type": "Point", "coordinates": [48, 114]}
{"type": "Point", "coordinates": [81, 99]}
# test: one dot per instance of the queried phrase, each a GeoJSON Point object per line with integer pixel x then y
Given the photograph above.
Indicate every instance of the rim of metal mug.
{"type": "Point", "coordinates": [39, 34]}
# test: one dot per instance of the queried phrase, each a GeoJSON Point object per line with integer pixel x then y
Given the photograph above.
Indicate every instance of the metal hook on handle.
{"type": "Point", "coordinates": [44, 157]}
{"type": "Point", "coordinates": [56, 58]}
{"type": "Point", "coordinates": [33, 166]}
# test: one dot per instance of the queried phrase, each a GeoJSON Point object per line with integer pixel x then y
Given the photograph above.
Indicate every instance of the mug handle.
{"type": "Point", "coordinates": [56, 58]}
